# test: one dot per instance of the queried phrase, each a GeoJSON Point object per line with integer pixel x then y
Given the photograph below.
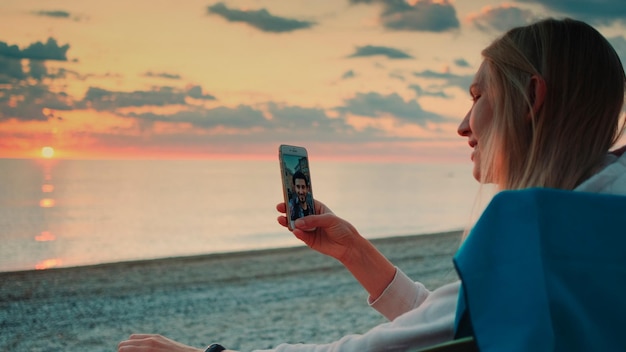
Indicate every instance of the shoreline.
{"type": "Point", "coordinates": [241, 253]}
{"type": "Point", "coordinates": [245, 300]}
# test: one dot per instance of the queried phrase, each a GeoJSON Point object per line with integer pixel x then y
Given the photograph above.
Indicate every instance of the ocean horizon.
{"type": "Point", "coordinates": [63, 213]}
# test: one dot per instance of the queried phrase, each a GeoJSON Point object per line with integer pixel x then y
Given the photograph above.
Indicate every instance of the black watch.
{"type": "Point", "coordinates": [216, 347]}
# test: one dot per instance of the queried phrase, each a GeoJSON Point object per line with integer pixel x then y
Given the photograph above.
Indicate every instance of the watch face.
{"type": "Point", "coordinates": [216, 347]}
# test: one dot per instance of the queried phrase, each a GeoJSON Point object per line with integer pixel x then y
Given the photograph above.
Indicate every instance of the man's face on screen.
{"type": "Point", "coordinates": [301, 189]}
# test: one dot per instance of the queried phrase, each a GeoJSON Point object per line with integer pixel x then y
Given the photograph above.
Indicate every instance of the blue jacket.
{"type": "Point", "coordinates": [545, 270]}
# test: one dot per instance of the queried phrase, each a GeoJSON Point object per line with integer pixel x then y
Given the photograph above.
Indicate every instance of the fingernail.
{"type": "Point", "coordinates": [299, 223]}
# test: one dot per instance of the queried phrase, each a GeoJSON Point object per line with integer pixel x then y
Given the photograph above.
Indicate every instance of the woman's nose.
{"type": "Point", "coordinates": [464, 128]}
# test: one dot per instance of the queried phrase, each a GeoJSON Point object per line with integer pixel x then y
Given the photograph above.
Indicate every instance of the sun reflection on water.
{"type": "Point", "coordinates": [45, 236]}
{"type": "Point", "coordinates": [48, 264]}
{"type": "Point", "coordinates": [46, 202]}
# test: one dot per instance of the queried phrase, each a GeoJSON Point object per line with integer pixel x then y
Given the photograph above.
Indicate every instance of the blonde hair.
{"type": "Point", "coordinates": [566, 141]}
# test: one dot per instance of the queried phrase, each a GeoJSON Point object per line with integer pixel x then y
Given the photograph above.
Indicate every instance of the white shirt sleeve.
{"type": "Point", "coordinates": [419, 318]}
{"type": "Point", "coordinates": [401, 296]}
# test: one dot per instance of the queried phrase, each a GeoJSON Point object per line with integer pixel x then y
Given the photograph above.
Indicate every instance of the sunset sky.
{"type": "Point", "coordinates": [348, 79]}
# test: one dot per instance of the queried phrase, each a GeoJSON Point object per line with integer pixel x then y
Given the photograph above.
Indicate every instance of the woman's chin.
{"type": "Point", "coordinates": [476, 172]}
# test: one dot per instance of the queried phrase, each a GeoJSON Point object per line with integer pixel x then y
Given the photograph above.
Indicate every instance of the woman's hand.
{"type": "Point", "coordinates": [332, 236]}
{"type": "Point", "coordinates": [153, 343]}
{"type": "Point", "coordinates": [337, 238]}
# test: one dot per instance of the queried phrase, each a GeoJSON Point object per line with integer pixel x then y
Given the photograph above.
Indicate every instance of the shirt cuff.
{"type": "Point", "coordinates": [399, 297]}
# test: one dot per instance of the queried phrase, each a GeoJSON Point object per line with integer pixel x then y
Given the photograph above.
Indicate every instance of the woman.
{"type": "Point", "coordinates": [546, 110]}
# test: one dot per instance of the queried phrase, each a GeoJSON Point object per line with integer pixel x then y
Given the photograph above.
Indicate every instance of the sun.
{"type": "Point", "coordinates": [47, 152]}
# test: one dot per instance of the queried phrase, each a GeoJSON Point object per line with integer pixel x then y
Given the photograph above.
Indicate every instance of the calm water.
{"type": "Point", "coordinates": [57, 213]}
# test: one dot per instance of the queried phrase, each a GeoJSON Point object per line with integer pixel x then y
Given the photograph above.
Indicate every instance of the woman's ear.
{"type": "Point", "coordinates": [537, 92]}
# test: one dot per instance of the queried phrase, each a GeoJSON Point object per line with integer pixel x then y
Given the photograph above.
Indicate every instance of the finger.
{"type": "Point", "coordinates": [304, 236]}
{"type": "Point", "coordinates": [281, 207]}
{"type": "Point", "coordinates": [140, 342]}
{"type": "Point", "coordinates": [130, 345]}
{"type": "Point", "coordinates": [141, 336]}
{"type": "Point", "coordinates": [282, 220]}
{"type": "Point", "coordinates": [314, 221]}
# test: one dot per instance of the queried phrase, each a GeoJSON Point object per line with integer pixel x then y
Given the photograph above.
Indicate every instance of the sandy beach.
{"type": "Point", "coordinates": [245, 300]}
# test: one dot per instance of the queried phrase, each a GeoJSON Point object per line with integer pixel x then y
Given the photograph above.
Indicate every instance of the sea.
{"type": "Point", "coordinates": [64, 213]}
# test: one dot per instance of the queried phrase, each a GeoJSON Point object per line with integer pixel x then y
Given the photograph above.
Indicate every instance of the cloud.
{"type": "Point", "coordinates": [276, 121]}
{"type": "Point", "coordinates": [259, 19]}
{"type": "Point", "coordinates": [460, 62]}
{"type": "Point", "coordinates": [374, 104]}
{"type": "Point", "coordinates": [10, 70]}
{"type": "Point", "coordinates": [430, 93]}
{"type": "Point", "coordinates": [297, 120]}
{"type": "Point", "coordinates": [196, 93]}
{"type": "Point", "coordinates": [23, 93]}
{"type": "Point", "coordinates": [60, 14]}
{"type": "Point", "coordinates": [422, 15]}
{"type": "Point", "coordinates": [461, 81]}
{"type": "Point", "coordinates": [596, 12]}
{"type": "Point", "coordinates": [241, 117]}
{"type": "Point", "coordinates": [102, 99]}
{"type": "Point", "coordinates": [272, 121]}
{"type": "Point", "coordinates": [348, 74]}
{"type": "Point", "coordinates": [57, 13]}
{"type": "Point", "coordinates": [37, 69]}
{"type": "Point", "coordinates": [501, 18]}
{"type": "Point", "coordinates": [162, 75]}
{"type": "Point", "coordinates": [371, 50]}
{"type": "Point", "coordinates": [36, 51]}
{"type": "Point", "coordinates": [242, 125]}
{"type": "Point", "coordinates": [397, 75]}
{"type": "Point", "coordinates": [28, 102]}
{"type": "Point", "coordinates": [62, 73]}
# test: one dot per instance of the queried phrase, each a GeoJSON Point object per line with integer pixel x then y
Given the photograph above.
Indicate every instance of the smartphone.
{"type": "Point", "coordinates": [296, 181]}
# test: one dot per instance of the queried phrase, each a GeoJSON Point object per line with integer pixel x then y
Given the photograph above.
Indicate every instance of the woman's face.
{"type": "Point", "coordinates": [478, 118]}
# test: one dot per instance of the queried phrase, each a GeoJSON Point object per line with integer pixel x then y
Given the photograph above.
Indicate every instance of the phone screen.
{"type": "Point", "coordinates": [296, 180]}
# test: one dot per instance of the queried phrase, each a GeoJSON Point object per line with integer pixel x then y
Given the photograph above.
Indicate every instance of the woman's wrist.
{"type": "Point", "coordinates": [356, 251]}
{"type": "Point", "coordinates": [370, 267]}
